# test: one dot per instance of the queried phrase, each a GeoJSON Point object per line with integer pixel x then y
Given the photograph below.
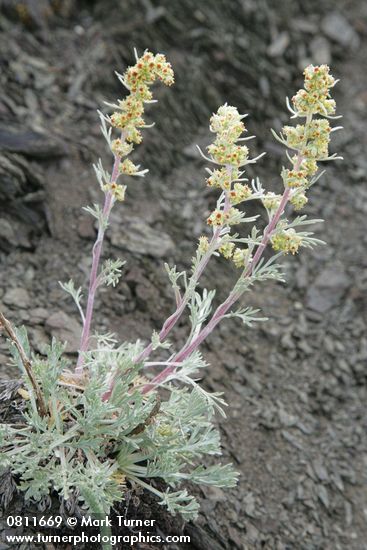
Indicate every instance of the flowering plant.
{"type": "Point", "coordinates": [88, 431]}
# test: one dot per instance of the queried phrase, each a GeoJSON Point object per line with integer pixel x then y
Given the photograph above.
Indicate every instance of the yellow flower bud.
{"type": "Point", "coordinates": [227, 250]}
{"type": "Point", "coordinates": [220, 178]}
{"type": "Point", "coordinates": [128, 167]}
{"type": "Point", "coordinates": [203, 244]}
{"type": "Point", "coordinates": [241, 257]}
{"type": "Point", "coordinates": [294, 178]}
{"type": "Point", "coordinates": [239, 193]}
{"type": "Point", "coordinates": [271, 201]}
{"type": "Point", "coordinates": [287, 241]}
{"type": "Point", "coordinates": [215, 218]}
{"type": "Point", "coordinates": [298, 200]}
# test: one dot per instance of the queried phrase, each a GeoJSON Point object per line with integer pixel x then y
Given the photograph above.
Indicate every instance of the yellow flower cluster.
{"type": "Point", "coordinates": [318, 79]}
{"type": "Point", "coordinates": [318, 138]}
{"type": "Point", "coordinates": [221, 179]}
{"type": "Point", "coordinates": [287, 240]}
{"type": "Point", "coordinates": [203, 244]}
{"type": "Point", "coordinates": [138, 80]}
{"type": "Point", "coordinates": [121, 148]}
{"type": "Point", "coordinates": [227, 124]}
{"type": "Point", "coordinates": [117, 190]}
{"type": "Point", "coordinates": [128, 168]}
{"type": "Point", "coordinates": [228, 153]}
{"type": "Point", "coordinates": [298, 200]}
{"type": "Point", "coordinates": [311, 140]}
{"type": "Point", "coordinates": [239, 193]}
{"type": "Point", "coordinates": [147, 69]}
{"type": "Point", "coordinates": [315, 97]}
{"type": "Point", "coordinates": [295, 136]}
{"type": "Point", "coordinates": [294, 178]}
{"type": "Point", "coordinates": [241, 257]}
{"type": "Point", "coordinates": [271, 201]}
{"type": "Point", "coordinates": [227, 250]}
{"type": "Point", "coordinates": [129, 116]}
{"type": "Point", "coordinates": [219, 217]}
{"type": "Point", "coordinates": [309, 165]}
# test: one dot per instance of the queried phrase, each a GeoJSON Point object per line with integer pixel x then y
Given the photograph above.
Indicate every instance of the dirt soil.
{"type": "Point", "coordinates": [296, 385]}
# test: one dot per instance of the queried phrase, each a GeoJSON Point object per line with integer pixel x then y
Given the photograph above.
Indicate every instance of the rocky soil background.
{"type": "Point", "coordinates": [296, 426]}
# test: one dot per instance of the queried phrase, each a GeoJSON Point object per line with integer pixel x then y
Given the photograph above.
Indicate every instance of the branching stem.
{"type": "Point", "coordinates": [93, 279]}
{"type": "Point", "coordinates": [233, 296]}
{"type": "Point", "coordinates": [182, 303]}
{"type": "Point", "coordinates": [41, 405]}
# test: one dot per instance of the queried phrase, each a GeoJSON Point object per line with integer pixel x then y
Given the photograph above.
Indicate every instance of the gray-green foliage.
{"type": "Point", "coordinates": [88, 447]}
{"type": "Point", "coordinates": [105, 423]}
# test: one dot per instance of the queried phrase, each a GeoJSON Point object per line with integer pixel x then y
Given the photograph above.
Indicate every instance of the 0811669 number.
{"type": "Point", "coordinates": [43, 521]}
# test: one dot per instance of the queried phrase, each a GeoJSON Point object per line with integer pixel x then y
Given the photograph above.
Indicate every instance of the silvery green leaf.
{"type": "Point", "coordinates": [75, 293]}
{"type": "Point", "coordinates": [181, 502]}
{"type": "Point", "coordinates": [102, 175]}
{"type": "Point", "coordinates": [200, 307]}
{"type": "Point", "coordinates": [97, 212]}
{"type": "Point", "coordinates": [157, 343]}
{"type": "Point", "coordinates": [302, 220]}
{"type": "Point", "coordinates": [247, 315]}
{"type": "Point", "coordinates": [111, 272]}
{"type": "Point", "coordinates": [218, 475]}
{"type": "Point", "coordinates": [106, 132]}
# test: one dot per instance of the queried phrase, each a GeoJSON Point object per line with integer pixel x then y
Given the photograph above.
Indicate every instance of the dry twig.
{"type": "Point", "coordinates": [42, 409]}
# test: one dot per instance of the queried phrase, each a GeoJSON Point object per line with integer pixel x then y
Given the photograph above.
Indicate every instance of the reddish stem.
{"type": "Point", "coordinates": [172, 320]}
{"type": "Point", "coordinates": [224, 307]}
{"type": "Point", "coordinates": [93, 279]}
{"type": "Point", "coordinates": [233, 296]}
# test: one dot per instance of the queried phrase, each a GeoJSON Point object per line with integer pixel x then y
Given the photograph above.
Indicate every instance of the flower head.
{"type": "Point", "coordinates": [216, 218]}
{"type": "Point", "coordinates": [315, 97]}
{"type": "Point", "coordinates": [148, 68]}
{"type": "Point", "coordinates": [239, 193]}
{"type": "Point", "coordinates": [318, 138]}
{"type": "Point", "coordinates": [128, 118]}
{"type": "Point", "coordinates": [203, 244]}
{"type": "Point", "coordinates": [128, 168]}
{"type": "Point", "coordinates": [241, 257]}
{"type": "Point", "coordinates": [318, 79]}
{"type": "Point", "coordinates": [121, 148]}
{"type": "Point", "coordinates": [286, 240]}
{"type": "Point", "coordinates": [271, 201]}
{"type": "Point", "coordinates": [118, 191]}
{"type": "Point", "coordinates": [308, 165]}
{"type": "Point", "coordinates": [227, 250]}
{"type": "Point", "coordinates": [227, 124]}
{"type": "Point", "coordinates": [298, 200]}
{"type": "Point", "coordinates": [312, 139]}
{"type": "Point", "coordinates": [226, 152]}
{"type": "Point", "coordinates": [294, 178]}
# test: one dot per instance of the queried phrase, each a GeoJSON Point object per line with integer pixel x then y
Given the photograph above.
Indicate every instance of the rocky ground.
{"type": "Point", "coordinates": [296, 425]}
